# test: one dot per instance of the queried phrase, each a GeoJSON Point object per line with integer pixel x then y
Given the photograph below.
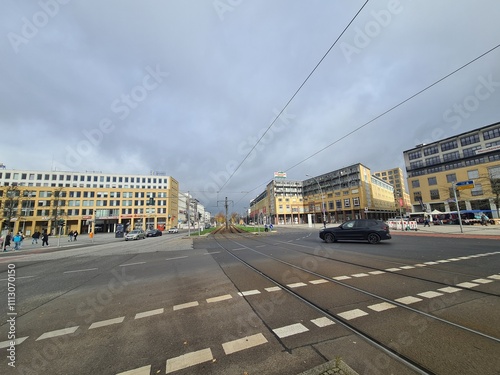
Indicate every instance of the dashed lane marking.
{"type": "Point", "coordinates": [146, 370]}
{"type": "Point", "coordinates": [131, 264]}
{"type": "Point", "coordinates": [360, 275]}
{"type": "Point", "coordinates": [17, 341]}
{"type": "Point", "coordinates": [249, 293]}
{"type": "Point", "coordinates": [319, 281]}
{"type": "Point", "coordinates": [296, 285]}
{"type": "Point", "coordinates": [393, 269]}
{"type": "Point", "coordinates": [408, 300]}
{"type": "Point", "coordinates": [429, 294]}
{"type": "Point", "coordinates": [494, 277]}
{"type": "Point", "coordinates": [175, 258]}
{"type": "Point", "coordinates": [220, 298]}
{"type": "Point", "coordinates": [352, 314]}
{"type": "Point", "coordinates": [59, 332]}
{"type": "Point", "coordinates": [467, 285]}
{"type": "Point", "coordinates": [339, 278]}
{"type": "Point", "coordinates": [149, 313]}
{"type": "Point", "coordinates": [322, 322]}
{"type": "Point", "coordinates": [108, 322]}
{"type": "Point", "coordinates": [244, 343]}
{"type": "Point", "coordinates": [84, 270]}
{"type": "Point", "coordinates": [188, 360]}
{"type": "Point", "coordinates": [186, 305]}
{"type": "Point", "coordinates": [290, 330]}
{"type": "Point", "coordinates": [482, 281]}
{"type": "Point", "coordinates": [376, 272]}
{"type": "Point", "coordinates": [273, 289]}
{"type": "Point", "coordinates": [382, 306]}
{"type": "Point", "coordinates": [450, 289]}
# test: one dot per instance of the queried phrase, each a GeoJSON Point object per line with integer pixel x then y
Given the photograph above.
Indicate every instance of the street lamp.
{"type": "Point", "coordinates": [322, 199]}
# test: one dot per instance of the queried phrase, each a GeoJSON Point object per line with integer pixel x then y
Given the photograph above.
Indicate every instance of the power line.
{"type": "Point", "coordinates": [293, 96]}
{"type": "Point", "coordinates": [385, 112]}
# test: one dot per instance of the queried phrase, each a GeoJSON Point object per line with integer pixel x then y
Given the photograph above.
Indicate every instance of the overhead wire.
{"type": "Point", "coordinates": [293, 96]}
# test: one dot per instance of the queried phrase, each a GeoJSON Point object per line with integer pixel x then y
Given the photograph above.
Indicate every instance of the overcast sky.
{"type": "Point", "coordinates": [188, 87]}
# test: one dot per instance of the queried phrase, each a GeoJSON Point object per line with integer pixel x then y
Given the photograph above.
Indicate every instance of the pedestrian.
{"type": "Point", "coordinates": [426, 222]}
{"type": "Point", "coordinates": [45, 238]}
{"type": "Point", "coordinates": [17, 241]}
{"type": "Point", "coordinates": [8, 237]}
{"type": "Point", "coordinates": [484, 219]}
{"type": "Point", "coordinates": [75, 234]}
{"type": "Point", "coordinates": [35, 237]}
{"type": "Point", "coordinates": [70, 236]}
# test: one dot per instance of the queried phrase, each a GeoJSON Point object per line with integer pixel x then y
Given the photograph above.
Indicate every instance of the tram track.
{"type": "Point", "coordinates": [406, 360]}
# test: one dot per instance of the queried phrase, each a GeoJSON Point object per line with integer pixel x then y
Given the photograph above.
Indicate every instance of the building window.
{"type": "Point", "coordinates": [451, 156]}
{"type": "Point", "coordinates": [347, 202]}
{"type": "Point", "coordinates": [470, 139]}
{"type": "Point", "coordinates": [415, 184]}
{"type": "Point", "coordinates": [449, 145]}
{"type": "Point", "coordinates": [477, 190]}
{"type": "Point", "coordinates": [338, 203]}
{"type": "Point", "coordinates": [434, 194]}
{"type": "Point", "coordinates": [471, 151]}
{"type": "Point", "coordinates": [414, 155]}
{"type": "Point", "coordinates": [492, 133]}
{"type": "Point", "coordinates": [433, 160]}
{"type": "Point", "coordinates": [472, 174]}
{"type": "Point", "coordinates": [494, 172]}
{"type": "Point", "coordinates": [416, 164]}
{"type": "Point", "coordinates": [417, 196]}
{"type": "Point", "coordinates": [432, 181]}
{"type": "Point", "coordinates": [355, 202]}
{"type": "Point", "coordinates": [431, 150]}
{"type": "Point", "coordinates": [451, 177]}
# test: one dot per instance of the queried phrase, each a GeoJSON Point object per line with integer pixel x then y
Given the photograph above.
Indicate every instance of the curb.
{"type": "Point", "coordinates": [334, 367]}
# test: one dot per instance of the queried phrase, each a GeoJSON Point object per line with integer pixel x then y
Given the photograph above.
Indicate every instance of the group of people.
{"type": "Point", "coordinates": [18, 239]}
{"type": "Point", "coordinates": [72, 236]}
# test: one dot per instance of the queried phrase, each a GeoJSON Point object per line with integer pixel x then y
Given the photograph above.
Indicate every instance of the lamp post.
{"type": "Point", "coordinates": [322, 199]}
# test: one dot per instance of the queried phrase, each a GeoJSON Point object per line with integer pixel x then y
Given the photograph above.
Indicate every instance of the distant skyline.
{"type": "Point", "coordinates": [194, 89]}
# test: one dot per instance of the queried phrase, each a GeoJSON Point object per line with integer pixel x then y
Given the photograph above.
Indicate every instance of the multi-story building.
{"type": "Point", "coordinates": [43, 200]}
{"type": "Point", "coordinates": [347, 193]}
{"type": "Point", "coordinates": [396, 178]}
{"type": "Point", "coordinates": [433, 169]}
{"type": "Point", "coordinates": [191, 207]}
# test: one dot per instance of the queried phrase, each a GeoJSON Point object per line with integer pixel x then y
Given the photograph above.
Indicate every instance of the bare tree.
{"type": "Point", "coordinates": [57, 207]}
{"type": "Point", "coordinates": [10, 207]}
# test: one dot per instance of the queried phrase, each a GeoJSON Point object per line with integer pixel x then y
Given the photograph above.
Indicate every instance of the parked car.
{"type": "Point", "coordinates": [173, 230]}
{"type": "Point", "coordinates": [153, 233]}
{"type": "Point", "coordinates": [135, 234]}
{"type": "Point", "coordinates": [370, 230]}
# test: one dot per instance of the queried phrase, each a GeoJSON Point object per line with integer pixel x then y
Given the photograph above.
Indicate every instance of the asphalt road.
{"type": "Point", "coordinates": [277, 303]}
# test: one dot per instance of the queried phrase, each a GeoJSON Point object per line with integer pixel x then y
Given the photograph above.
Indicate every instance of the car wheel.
{"type": "Point", "coordinates": [329, 237]}
{"type": "Point", "coordinates": [373, 238]}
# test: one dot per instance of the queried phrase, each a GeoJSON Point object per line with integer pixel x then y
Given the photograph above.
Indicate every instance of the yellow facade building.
{"type": "Point", "coordinates": [64, 201]}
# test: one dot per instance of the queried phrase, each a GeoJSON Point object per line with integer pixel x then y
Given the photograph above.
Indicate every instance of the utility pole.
{"type": "Point", "coordinates": [226, 205]}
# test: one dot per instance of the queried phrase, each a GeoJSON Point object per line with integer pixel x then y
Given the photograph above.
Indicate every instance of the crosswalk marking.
{"type": "Point", "coordinates": [244, 343]}
{"type": "Point", "coordinates": [290, 330]}
{"type": "Point", "coordinates": [352, 314]}
{"type": "Point", "coordinates": [188, 360]}
{"type": "Point", "coordinates": [145, 370]}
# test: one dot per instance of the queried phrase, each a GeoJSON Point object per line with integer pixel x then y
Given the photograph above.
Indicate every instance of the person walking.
{"type": "Point", "coordinates": [17, 241]}
{"type": "Point", "coordinates": [35, 237]}
{"type": "Point", "coordinates": [45, 238]}
{"type": "Point", "coordinates": [70, 236]}
{"type": "Point", "coordinates": [75, 234]}
{"type": "Point", "coordinates": [7, 239]}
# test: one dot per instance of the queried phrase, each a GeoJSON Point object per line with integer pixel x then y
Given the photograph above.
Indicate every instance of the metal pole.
{"type": "Point", "coordinates": [458, 208]}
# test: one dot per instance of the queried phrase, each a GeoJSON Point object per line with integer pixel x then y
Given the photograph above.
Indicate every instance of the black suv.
{"type": "Point", "coordinates": [370, 230]}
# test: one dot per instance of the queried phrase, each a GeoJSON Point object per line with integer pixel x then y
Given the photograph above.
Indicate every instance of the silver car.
{"type": "Point", "coordinates": [135, 234]}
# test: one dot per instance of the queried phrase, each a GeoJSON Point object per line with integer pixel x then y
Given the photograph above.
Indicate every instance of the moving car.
{"type": "Point", "coordinates": [135, 234]}
{"type": "Point", "coordinates": [153, 233]}
{"type": "Point", "coordinates": [173, 230]}
{"type": "Point", "coordinates": [370, 230]}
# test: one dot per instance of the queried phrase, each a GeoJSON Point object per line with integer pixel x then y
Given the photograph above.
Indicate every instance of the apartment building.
{"type": "Point", "coordinates": [396, 178]}
{"type": "Point", "coordinates": [434, 169]}
{"type": "Point", "coordinates": [347, 193]}
{"type": "Point", "coordinates": [44, 200]}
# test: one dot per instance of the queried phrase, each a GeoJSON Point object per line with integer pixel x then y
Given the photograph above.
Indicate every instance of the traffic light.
{"type": "Point", "coordinates": [61, 223]}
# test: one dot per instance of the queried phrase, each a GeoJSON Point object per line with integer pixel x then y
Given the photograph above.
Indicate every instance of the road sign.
{"type": "Point", "coordinates": [462, 185]}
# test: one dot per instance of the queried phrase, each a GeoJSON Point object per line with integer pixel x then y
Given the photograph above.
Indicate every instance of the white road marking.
{"type": "Point", "coordinates": [420, 265]}
{"type": "Point", "coordinates": [450, 289]}
{"type": "Point", "coordinates": [212, 252]}
{"type": "Point", "coordinates": [249, 293]}
{"type": "Point", "coordinates": [431, 263]}
{"type": "Point", "coordinates": [290, 330]}
{"type": "Point", "coordinates": [430, 294]}
{"type": "Point", "coordinates": [453, 259]}
{"type": "Point", "coordinates": [482, 281]}
{"type": "Point", "coordinates": [408, 300]}
{"type": "Point", "coordinates": [131, 264]}
{"type": "Point", "coordinates": [219, 298]}
{"type": "Point", "coordinates": [382, 306]}
{"type": "Point", "coordinates": [360, 275]}
{"type": "Point", "coordinates": [319, 281]}
{"type": "Point", "coordinates": [376, 272]}
{"type": "Point", "coordinates": [6, 344]}
{"type": "Point", "coordinates": [17, 278]}
{"type": "Point", "coordinates": [244, 343]}
{"type": "Point", "coordinates": [443, 261]}
{"type": "Point", "coordinates": [84, 270]}
{"type": "Point", "coordinates": [296, 285]}
{"type": "Point", "coordinates": [146, 370]}
{"type": "Point", "coordinates": [273, 289]}
{"type": "Point", "coordinates": [188, 360]}
{"type": "Point", "coordinates": [108, 322]}
{"type": "Point", "coordinates": [59, 332]}
{"type": "Point", "coordinates": [467, 285]}
{"type": "Point", "coordinates": [407, 267]}
{"type": "Point", "coordinates": [494, 277]}
{"type": "Point", "coordinates": [149, 313]}
{"type": "Point", "coordinates": [176, 258]}
{"type": "Point", "coordinates": [352, 314]}
{"type": "Point", "coordinates": [338, 278]}
{"type": "Point", "coordinates": [186, 305]}
{"type": "Point", "coordinates": [322, 322]}
{"type": "Point", "coordinates": [393, 269]}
